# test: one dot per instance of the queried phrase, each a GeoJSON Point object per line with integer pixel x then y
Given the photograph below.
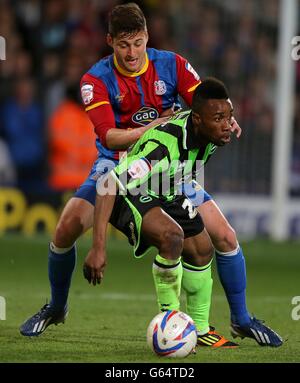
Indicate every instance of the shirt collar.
{"type": "Point", "coordinates": [191, 139]}
{"type": "Point", "coordinates": [131, 74]}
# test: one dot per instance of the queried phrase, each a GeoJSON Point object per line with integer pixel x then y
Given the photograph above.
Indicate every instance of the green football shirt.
{"type": "Point", "coordinates": [166, 156]}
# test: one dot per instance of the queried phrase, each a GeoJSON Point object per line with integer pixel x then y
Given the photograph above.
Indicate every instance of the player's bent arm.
{"type": "Point", "coordinates": [111, 137]}
{"type": "Point", "coordinates": [95, 261]}
{"type": "Point", "coordinates": [117, 139]}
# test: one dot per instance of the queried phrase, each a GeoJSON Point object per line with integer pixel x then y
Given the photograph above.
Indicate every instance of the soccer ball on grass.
{"type": "Point", "coordinates": [172, 333]}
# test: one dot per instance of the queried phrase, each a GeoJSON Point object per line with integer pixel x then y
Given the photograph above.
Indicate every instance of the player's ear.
{"type": "Point", "coordinates": [196, 118]}
{"type": "Point", "coordinates": [109, 40]}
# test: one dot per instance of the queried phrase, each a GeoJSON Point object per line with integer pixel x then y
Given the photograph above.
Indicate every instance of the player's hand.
{"type": "Point", "coordinates": [94, 266]}
{"type": "Point", "coordinates": [235, 127]}
{"type": "Point", "coordinates": [170, 111]}
{"type": "Point", "coordinates": [158, 121]}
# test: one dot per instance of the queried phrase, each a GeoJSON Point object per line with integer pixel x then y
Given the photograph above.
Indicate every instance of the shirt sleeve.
{"type": "Point", "coordinates": [188, 79]}
{"type": "Point", "coordinates": [96, 101]}
{"type": "Point", "coordinates": [135, 170]}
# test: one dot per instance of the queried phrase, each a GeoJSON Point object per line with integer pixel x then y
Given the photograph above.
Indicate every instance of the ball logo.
{"type": "Point", "coordinates": [145, 115]}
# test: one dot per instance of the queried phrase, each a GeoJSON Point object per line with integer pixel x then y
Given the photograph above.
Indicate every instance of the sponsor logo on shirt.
{"type": "Point", "coordinates": [139, 168]}
{"type": "Point", "coordinates": [160, 87]}
{"type": "Point", "coordinates": [87, 93]}
{"type": "Point", "coordinates": [145, 115]}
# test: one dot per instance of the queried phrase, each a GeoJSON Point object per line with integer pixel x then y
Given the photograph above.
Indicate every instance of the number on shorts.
{"type": "Point", "coordinates": [187, 204]}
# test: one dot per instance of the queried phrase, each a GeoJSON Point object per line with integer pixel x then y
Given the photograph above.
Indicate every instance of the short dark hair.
{"type": "Point", "coordinates": [210, 88]}
{"type": "Point", "coordinates": [126, 19]}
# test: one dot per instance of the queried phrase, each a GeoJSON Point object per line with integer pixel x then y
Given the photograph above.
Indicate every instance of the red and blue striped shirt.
{"type": "Point", "coordinates": [114, 98]}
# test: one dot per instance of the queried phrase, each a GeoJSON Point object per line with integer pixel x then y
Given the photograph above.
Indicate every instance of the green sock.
{"type": "Point", "coordinates": [167, 275]}
{"type": "Point", "coordinates": [197, 283]}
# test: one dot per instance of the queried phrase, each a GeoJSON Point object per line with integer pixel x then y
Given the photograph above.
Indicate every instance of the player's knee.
{"type": "Point", "coordinates": [66, 233]}
{"type": "Point", "coordinates": [171, 240]}
{"type": "Point", "coordinates": [207, 252]}
{"type": "Point", "coordinates": [198, 250]}
{"type": "Point", "coordinates": [204, 255]}
{"type": "Point", "coordinates": [226, 240]}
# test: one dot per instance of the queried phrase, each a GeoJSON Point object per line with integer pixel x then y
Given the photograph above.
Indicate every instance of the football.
{"type": "Point", "coordinates": [172, 333]}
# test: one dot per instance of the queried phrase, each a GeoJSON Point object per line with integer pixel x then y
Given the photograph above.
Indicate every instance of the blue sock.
{"type": "Point", "coordinates": [60, 269]}
{"type": "Point", "coordinates": [232, 273]}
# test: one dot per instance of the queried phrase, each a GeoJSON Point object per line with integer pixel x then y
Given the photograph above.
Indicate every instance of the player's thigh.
{"type": "Point", "coordinates": [221, 233]}
{"type": "Point", "coordinates": [75, 219]}
{"type": "Point", "coordinates": [159, 228]}
{"type": "Point", "coordinates": [145, 224]}
{"type": "Point", "coordinates": [198, 250]}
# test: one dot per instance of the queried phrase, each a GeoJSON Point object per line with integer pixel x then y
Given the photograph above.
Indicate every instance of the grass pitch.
{"type": "Point", "coordinates": [108, 323]}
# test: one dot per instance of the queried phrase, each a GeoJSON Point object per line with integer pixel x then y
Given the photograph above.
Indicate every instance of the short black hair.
{"type": "Point", "coordinates": [126, 19]}
{"type": "Point", "coordinates": [210, 88]}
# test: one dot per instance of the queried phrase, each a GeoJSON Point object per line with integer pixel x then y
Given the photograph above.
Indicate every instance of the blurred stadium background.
{"type": "Point", "coordinates": [47, 142]}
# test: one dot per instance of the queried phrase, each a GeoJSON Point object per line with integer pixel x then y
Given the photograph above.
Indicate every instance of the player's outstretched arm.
{"type": "Point", "coordinates": [95, 261]}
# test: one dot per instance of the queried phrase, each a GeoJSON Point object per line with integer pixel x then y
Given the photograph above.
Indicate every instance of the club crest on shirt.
{"type": "Point", "coordinates": [160, 87]}
{"type": "Point", "coordinates": [145, 115]}
{"type": "Point", "coordinates": [87, 93]}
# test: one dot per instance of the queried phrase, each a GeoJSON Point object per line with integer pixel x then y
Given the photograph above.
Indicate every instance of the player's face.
{"type": "Point", "coordinates": [214, 121]}
{"type": "Point", "coordinates": [130, 50]}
